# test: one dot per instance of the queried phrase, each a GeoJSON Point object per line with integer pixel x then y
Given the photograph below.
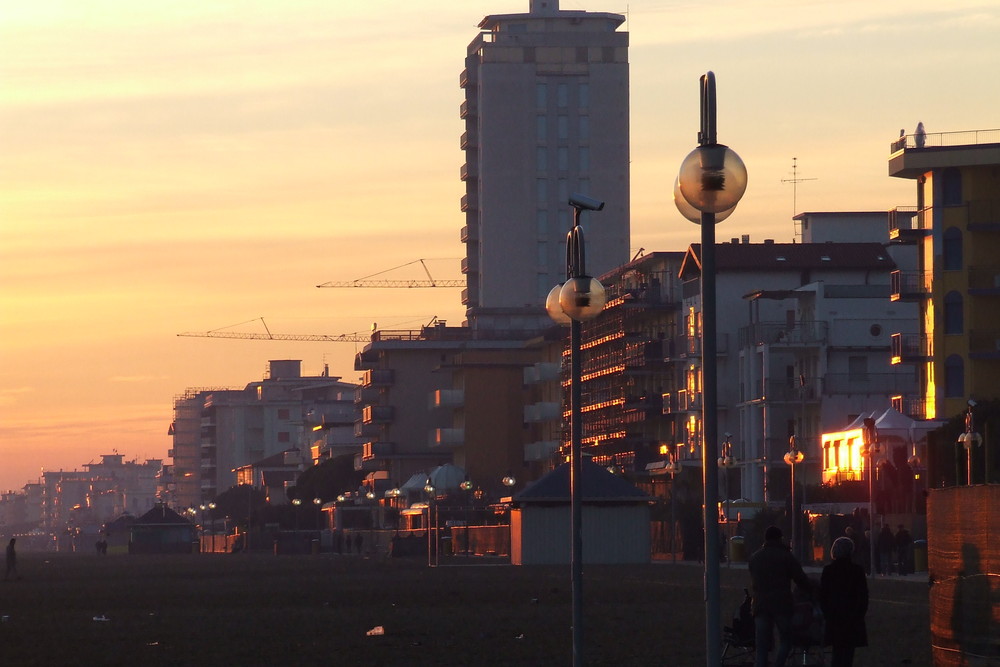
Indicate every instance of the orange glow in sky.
{"type": "Point", "coordinates": [169, 167]}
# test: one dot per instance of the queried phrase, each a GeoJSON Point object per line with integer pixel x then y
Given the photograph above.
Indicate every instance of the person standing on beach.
{"type": "Point", "coordinates": [773, 568]}
{"type": "Point", "coordinates": [843, 598]}
{"type": "Point", "coordinates": [11, 561]}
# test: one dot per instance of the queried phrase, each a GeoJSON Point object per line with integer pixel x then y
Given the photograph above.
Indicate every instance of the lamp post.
{"type": "Point", "coordinates": [727, 461]}
{"type": "Point", "coordinates": [296, 504]}
{"type": "Point", "coordinates": [211, 521]}
{"type": "Point", "coordinates": [673, 468]}
{"type": "Point", "coordinates": [968, 439]}
{"type": "Point", "coordinates": [793, 457]}
{"type": "Point", "coordinates": [430, 491]}
{"type": "Point", "coordinates": [466, 487]}
{"type": "Point", "coordinates": [871, 449]}
{"type": "Point", "coordinates": [712, 180]}
{"type": "Point", "coordinates": [580, 298]}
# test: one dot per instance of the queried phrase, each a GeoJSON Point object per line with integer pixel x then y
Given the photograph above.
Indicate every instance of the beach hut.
{"type": "Point", "coordinates": [615, 519]}
{"type": "Point", "coordinates": [162, 531]}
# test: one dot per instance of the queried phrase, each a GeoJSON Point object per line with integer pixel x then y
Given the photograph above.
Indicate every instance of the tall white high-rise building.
{"type": "Point", "coordinates": [547, 115]}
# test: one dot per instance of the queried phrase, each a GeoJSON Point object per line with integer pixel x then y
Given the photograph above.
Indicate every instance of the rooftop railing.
{"type": "Point", "coordinates": [943, 139]}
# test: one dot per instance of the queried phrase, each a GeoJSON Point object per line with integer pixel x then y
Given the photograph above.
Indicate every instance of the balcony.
{"type": "Point", "coordinates": [446, 398]}
{"type": "Point", "coordinates": [541, 450]}
{"type": "Point", "coordinates": [469, 234]}
{"type": "Point", "coordinates": [910, 285]}
{"type": "Point", "coordinates": [688, 401]}
{"type": "Point", "coordinates": [801, 334]}
{"type": "Point", "coordinates": [542, 412]}
{"type": "Point", "coordinates": [911, 348]}
{"type": "Point", "coordinates": [983, 215]}
{"type": "Point", "coordinates": [788, 391]}
{"type": "Point", "coordinates": [470, 264]}
{"type": "Point", "coordinates": [912, 406]}
{"type": "Point", "coordinates": [908, 224]}
{"type": "Point", "coordinates": [364, 430]}
{"type": "Point", "coordinates": [469, 171]}
{"type": "Point", "coordinates": [670, 404]}
{"type": "Point", "coordinates": [374, 450]}
{"type": "Point", "coordinates": [367, 395]}
{"type": "Point", "coordinates": [984, 344]}
{"type": "Point", "coordinates": [467, 108]}
{"type": "Point", "coordinates": [446, 438]}
{"type": "Point", "coordinates": [377, 377]}
{"type": "Point", "coordinates": [873, 384]}
{"type": "Point", "coordinates": [377, 414]}
{"type": "Point", "coordinates": [469, 202]}
{"type": "Point", "coordinates": [984, 281]}
{"type": "Point", "coordinates": [469, 140]}
{"type": "Point", "coordinates": [541, 372]}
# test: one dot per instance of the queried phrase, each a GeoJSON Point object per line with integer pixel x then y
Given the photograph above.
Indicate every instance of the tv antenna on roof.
{"type": "Point", "coordinates": [795, 180]}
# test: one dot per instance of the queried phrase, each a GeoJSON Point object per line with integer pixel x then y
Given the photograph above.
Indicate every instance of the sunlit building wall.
{"type": "Point", "coordinates": [955, 226]}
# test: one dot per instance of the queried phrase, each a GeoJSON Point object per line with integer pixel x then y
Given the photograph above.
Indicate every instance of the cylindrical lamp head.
{"type": "Point", "coordinates": [713, 178]}
{"type": "Point", "coordinates": [582, 298]}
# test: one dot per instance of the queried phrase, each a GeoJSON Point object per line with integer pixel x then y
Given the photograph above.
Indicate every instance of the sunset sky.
{"type": "Point", "coordinates": [185, 166]}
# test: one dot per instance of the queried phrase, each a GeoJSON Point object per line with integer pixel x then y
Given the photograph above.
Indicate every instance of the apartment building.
{"type": "Point", "coordinates": [546, 115]}
{"type": "Point", "coordinates": [217, 431]}
{"type": "Point", "coordinates": [955, 228]}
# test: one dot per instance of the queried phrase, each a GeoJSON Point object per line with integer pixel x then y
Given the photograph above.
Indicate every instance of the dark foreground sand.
{"type": "Point", "coordinates": [83, 609]}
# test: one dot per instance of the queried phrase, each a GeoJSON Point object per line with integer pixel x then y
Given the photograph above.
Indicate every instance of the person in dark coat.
{"type": "Point", "coordinates": [903, 543]}
{"type": "Point", "coordinates": [773, 568]}
{"type": "Point", "coordinates": [886, 545]}
{"type": "Point", "coordinates": [843, 598]}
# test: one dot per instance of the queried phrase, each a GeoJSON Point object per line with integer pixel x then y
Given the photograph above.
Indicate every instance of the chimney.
{"type": "Point", "coordinates": [746, 238]}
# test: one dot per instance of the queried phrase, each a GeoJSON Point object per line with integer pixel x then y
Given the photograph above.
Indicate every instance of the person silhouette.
{"type": "Point", "coordinates": [11, 561]}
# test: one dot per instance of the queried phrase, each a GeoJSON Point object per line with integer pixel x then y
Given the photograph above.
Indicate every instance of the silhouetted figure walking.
{"type": "Point", "coordinates": [773, 568]}
{"type": "Point", "coordinates": [11, 561]}
{"type": "Point", "coordinates": [844, 600]}
{"type": "Point", "coordinates": [903, 543]}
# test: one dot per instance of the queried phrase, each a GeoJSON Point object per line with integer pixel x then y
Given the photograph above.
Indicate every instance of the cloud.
{"type": "Point", "coordinates": [10, 395]}
{"type": "Point", "coordinates": [136, 378]}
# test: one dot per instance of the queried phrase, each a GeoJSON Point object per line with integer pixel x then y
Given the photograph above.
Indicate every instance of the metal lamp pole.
{"type": "Point", "coordinates": [712, 179]}
{"type": "Point", "coordinates": [793, 457]}
{"type": "Point", "coordinates": [869, 435]}
{"type": "Point", "coordinates": [580, 298]}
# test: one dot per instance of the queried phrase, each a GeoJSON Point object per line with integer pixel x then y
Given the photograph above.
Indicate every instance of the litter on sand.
{"type": "Point", "coordinates": [377, 630]}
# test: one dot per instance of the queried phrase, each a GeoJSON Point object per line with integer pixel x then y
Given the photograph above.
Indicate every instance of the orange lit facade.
{"type": "Point", "coordinates": [956, 228]}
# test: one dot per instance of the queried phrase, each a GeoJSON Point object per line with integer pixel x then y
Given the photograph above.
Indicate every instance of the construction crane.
{"type": "Point", "coordinates": [326, 338]}
{"type": "Point", "coordinates": [412, 283]}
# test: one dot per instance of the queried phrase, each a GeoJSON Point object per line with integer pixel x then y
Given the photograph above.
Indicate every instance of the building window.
{"type": "Point", "coordinates": [541, 95]}
{"type": "Point", "coordinates": [283, 413]}
{"type": "Point", "coordinates": [954, 376]}
{"type": "Point", "coordinates": [541, 190]}
{"type": "Point", "coordinates": [541, 159]}
{"type": "Point", "coordinates": [563, 194]}
{"type": "Point", "coordinates": [951, 188]}
{"type": "Point", "coordinates": [857, 369]}
{"type": "Point", "coordinates": [584, 159]}
{"type": "Point", "coordinates": [584, 128]}
{"type": "Point", "coordinates": [562, 127]}
{"type": "Point", "coordinates": [583, 186]}
{"type": "Point", "coordinates": [953, 315]}
{"type": "Point", "coordinates": [541, 128]}
{"type": "Point", "coordinates": [563, 158]}
{"type": "Point", "coordinates": [543, 254]}
{"type": "Point", "coordinates": [542, 223]}
{"type": "Point", "coordinates": [584, 95]}
{"type": "Point", "coordinates": [952, 249]}
{"type": "Point", "coordinates": [562, 95]}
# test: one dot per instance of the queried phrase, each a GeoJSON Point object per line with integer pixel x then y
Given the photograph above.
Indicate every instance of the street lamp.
{"type": "Point", "coordinates": [211, 521]}
{"type": "Point", "coordinates": [968, 439]}
{"type": "Point", "coordinates": [727, 461]}
{"type": "Point", "coordinates": [673, 468]}
{"type": "Point", "coordinates": [580, 298]}
{"type": "Point", "coordinates": [712, 180]}
{"type": "Point", "coordinates": [871, 449]}
{"type": "Point", "coordinates": [793, 457]}
{"type": "Point", "coordinates": [466, 487]}
{"type": "Point", "coordinates": [318, 502]}
{"type": "Point", "coordinates": [429, 489]}
{"type": "Point", "coordinates": [296, 502]}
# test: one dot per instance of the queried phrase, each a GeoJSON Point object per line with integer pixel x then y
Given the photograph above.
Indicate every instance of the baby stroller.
{"type": "Point", "coordinates": [807, 635]}
{"type": "Point", "coordinates": [738, 639]}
